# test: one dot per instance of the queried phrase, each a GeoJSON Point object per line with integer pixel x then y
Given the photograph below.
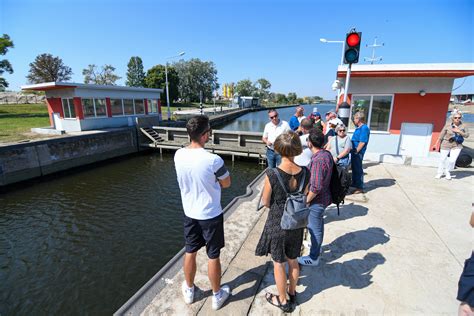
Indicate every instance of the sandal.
{"type": "Point", "coordinates": [287, 308]}
{"type": "Point", "coordinates": [292, 298]}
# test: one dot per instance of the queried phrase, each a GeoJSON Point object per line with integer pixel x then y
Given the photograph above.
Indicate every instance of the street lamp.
{"type": "Point", "coordinates": [323, 40]}
{"type": "Point", "coordinates": [166, 78]}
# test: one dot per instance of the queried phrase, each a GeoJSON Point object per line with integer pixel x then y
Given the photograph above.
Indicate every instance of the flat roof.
{"type": "Point", "coordinates": [453, 70]}
{"type": "Point", "coordinates": [65, 85]}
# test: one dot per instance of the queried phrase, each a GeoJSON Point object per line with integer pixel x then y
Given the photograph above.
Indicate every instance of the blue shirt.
{"type": "Point", "coordinates": [294, 123]}
{"type": "Point", "coordinates": [361, 134]}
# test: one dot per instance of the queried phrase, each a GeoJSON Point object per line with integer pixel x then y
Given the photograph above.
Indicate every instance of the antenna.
{"type": "Point", "coordinates": [374, 46]}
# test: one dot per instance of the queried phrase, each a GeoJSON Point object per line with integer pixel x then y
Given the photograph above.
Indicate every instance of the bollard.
{"type": "Point", "coordinates": [343, 112]}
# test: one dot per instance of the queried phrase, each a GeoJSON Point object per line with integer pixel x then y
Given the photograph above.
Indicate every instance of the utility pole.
{"type": "Point", "coordinates": [200, 100]}
{"type": "Point", "coordinates": [374, 47]}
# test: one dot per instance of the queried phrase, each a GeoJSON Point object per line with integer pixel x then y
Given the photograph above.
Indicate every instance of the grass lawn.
{"type": "Point", "coordinates": [16, 120]}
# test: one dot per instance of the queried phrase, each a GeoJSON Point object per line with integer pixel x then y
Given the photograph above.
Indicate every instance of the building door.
{"type": "Point", "coordinates": [415, 139]}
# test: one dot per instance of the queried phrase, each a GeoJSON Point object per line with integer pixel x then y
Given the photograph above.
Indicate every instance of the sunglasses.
{"type": "Point", "coordinates": [272, 117]}
{"type": "Point", "coordinates": [457, 118]}
{"type": "Point", "coordinates": [342, 130]}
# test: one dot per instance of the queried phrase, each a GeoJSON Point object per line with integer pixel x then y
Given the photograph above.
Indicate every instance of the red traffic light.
{"type": "Point", "coordinates": [353, 39]}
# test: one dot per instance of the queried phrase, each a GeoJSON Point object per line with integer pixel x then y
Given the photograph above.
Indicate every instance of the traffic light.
{"type": "Point", "coordinates": [352, 47]}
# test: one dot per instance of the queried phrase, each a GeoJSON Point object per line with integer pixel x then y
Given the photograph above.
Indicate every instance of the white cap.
{"type": "Point", "coordinates": [335, 121]}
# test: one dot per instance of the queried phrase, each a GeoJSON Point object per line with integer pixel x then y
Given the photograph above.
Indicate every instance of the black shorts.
{"type": "Point", "coordinates": [466, 283]}
{"type": "Point", "coordinates": [208, 232]}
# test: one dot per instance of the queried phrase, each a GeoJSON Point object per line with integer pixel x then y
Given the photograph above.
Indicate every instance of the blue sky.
{"type": "Point", "coordinates": [277, 40]}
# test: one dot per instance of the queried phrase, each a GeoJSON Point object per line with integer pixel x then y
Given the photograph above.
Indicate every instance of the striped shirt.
{"type": "Point", "coordinates": [321, 169]}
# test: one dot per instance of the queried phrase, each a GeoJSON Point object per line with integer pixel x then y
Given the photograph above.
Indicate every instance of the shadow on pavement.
{"type": "Point", "coordinates": [347, 211]}
{"type": "Point", "coordinates": [459, 174]}
{"type": "Point", "coordinates": [354, 241]}
{"type": "Point", "coordinates": [370, 164]}
{"type": "Point", "coordinates": [378, 183]}
{"type": "Point", "coordinates": [251, 277]}
{"type": "Point", "coordinates": [354, 273]}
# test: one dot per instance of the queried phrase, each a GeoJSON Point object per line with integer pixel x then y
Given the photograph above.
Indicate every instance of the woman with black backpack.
{"type": "Point", "coordinates": [284, 245]}
{"type": "Point", "coordinates": [450, 143]}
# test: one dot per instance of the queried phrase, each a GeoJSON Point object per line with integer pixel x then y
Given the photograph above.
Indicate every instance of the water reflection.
{"type": "Point", "coordinates": [86, 242]}
{"type": "Point", "coordinates": [255, 121]}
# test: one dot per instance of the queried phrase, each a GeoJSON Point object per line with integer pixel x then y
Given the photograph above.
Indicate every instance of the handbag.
{"type": "Point", "coordinates": [344, 161]}
{"type": "Point", "coordinates": [296, 212]}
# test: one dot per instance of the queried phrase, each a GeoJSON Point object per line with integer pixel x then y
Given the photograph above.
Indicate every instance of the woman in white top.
{"type": "Point", "coordinates": [341, 152]}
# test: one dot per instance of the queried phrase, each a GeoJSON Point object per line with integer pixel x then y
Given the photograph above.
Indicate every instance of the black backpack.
{"type": "Point", "coordinates": [339, 185]}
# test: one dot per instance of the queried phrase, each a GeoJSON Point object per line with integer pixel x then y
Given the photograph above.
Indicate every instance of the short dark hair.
{"type": "Point", "coordinates": [288, 144]}
{"type": "Point", "coordinates": [196, 126]}
{"type": "Point", "coordinates": [306, 124]}
{"type": "Point", "coordinates": [316, 137]}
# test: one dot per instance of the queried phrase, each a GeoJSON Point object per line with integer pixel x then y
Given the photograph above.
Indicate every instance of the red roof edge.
{"type": "Point", "coordinates": [410, 73]}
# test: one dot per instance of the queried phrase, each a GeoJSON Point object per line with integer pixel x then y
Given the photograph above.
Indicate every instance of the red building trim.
{"type": "Point", "coordinates": [78, 108]}
{"type": "Point", "coordinates": [54, 106]}
{"type": "Point", "coordinates": [109, 107]}
{"type": "Point", "coordinates": [146, 106]}
{"type": "Point", "coordinates": [159, 106]}
{"type": "Point", "coordinates": [413, 108]}
{"type": "Point", "coordinates": [409, 73]}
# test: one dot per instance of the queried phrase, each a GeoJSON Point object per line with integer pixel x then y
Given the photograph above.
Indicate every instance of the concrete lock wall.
{"type": "Point", "coordinates": [21, 162]}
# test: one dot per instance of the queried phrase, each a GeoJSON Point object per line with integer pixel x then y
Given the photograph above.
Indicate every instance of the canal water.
{"type": "Point", "coordinates": [84, 243]}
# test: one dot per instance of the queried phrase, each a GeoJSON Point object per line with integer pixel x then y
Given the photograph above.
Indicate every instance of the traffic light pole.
{"type": "Point", "coordinates": [346, 86]}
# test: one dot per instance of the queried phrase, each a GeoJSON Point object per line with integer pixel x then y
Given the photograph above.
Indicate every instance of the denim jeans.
{"type": "Point", "coordinates": [273, 159]}
{"type": "Point", "coordinates": [316, 229]}
{"type": "Point", "coordinates": [357, 170]}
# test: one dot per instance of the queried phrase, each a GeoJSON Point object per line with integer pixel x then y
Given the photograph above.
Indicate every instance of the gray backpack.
{"type": "Point", "coordinates": [296, 212]}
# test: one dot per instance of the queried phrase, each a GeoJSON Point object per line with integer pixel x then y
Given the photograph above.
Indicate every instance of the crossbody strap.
{"type": "Point", "coordinates": [283, 184]}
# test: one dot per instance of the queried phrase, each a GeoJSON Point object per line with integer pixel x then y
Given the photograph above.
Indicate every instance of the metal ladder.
{"type": "Point", "coordinates": [151, 134]}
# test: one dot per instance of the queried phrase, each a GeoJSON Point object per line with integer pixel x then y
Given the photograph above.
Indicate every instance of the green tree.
{"type": "Point", "coordinates": [263, 88]}
{"type": "Point", "coordinates": [195, 76]}
{"type": "Point", "coordinates": [292, 97]}
{"type": "Point", "coordinates": [155, 78]}
{"type": "Point", "coordinates": [280, 98]}
{"type": "Point", "coordinates": [47, 68]}
{"type": "Point", "coordinates": [245, 88]}
{"type": "Point", "coordinates": [135, 73]}
{"type": "Point", "coordinates": [105, 76]}
{"type": "Point", "coordinates": [5, 65]}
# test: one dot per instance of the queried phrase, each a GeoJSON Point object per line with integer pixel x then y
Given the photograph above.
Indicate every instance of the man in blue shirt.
{"type": "Point", "coordinates": [360, 139]}
{"type": "Point", "coordinates": [296, 119]}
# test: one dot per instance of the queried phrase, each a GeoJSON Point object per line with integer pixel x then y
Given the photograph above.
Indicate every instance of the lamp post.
{"type": "Point", "coordinates": [323, 40]}
{"type": "Point", "coordinates": [166, 78]}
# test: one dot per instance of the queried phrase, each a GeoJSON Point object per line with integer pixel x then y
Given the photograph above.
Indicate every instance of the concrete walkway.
{"type": "Point", "coordinates": [397, 250]}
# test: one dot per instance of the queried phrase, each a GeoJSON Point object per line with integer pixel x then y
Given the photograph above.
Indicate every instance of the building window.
{"type": "Point", "coordinates": [68, 108]}
{"type": "Point", "coordinates": [152, 106]}
{"type": "Point", "coordinates": [377, 110]}
{"type": "Point", "coordinates": [100, 107]}
{"type": "Point", "coordinates": [128, 107]}
{"type": "Point", "coordinates": [117, 107]}
{"type": "Point", "coordinates": [88, 107]}
{"type": "Point", "coordinates": [139, 106]}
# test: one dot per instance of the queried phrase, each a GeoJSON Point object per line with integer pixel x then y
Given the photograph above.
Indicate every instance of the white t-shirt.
{"type": "Point", "coordinates": [304, 158]}
{"type": "Point", "coordinates": [197, 171]}
{"type": "Point", "coordinates": [272, 131]}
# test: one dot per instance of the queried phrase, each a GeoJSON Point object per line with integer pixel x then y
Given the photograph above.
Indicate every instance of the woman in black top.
{"type": "Point", "coordinates": [283, 245]}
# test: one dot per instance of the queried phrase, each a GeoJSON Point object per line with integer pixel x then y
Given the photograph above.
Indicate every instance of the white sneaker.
{"type": "Point", "coordinates": [438, 176]}
{"type": "Point", "coordinates": [448, 176]}
{"type": "Point", "coordinates": [223, 296]}
{"type": "Point", "coordinates": [307, 243]}
{"type": "Point", "coordinates": [188, 293]}
{"type": "Point", "coordinates": [307, 261]}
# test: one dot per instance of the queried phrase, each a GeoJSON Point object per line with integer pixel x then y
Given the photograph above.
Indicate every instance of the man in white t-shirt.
{"type": "Point", "coordinates": [201, 175]}
{"type": "Point", "coordinates": [304, 158]}
{"type": "Point", "coordinates": [272, 130]}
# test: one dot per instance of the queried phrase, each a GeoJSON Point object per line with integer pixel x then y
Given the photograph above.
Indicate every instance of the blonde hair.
{"type": "Point", "coordinates": [360, 115]}
{"type": "Point", "coordinates": [453, 113]}
{"type": "Point", "coordinates": [288, 144]}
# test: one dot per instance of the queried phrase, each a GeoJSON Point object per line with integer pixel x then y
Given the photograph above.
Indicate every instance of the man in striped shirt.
{"type": "Point", "coordinates": [319, 195]}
